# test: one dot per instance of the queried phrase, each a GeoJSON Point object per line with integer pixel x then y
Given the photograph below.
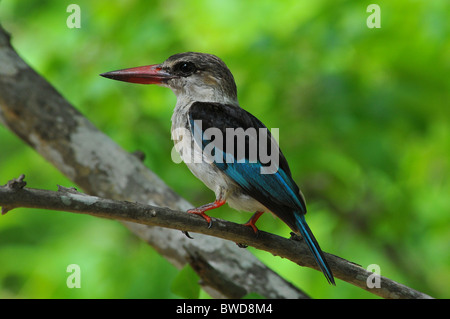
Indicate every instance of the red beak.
{"type": "Point", "coordinates": [149, 74]}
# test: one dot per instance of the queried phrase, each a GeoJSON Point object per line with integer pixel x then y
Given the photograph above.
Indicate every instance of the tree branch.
{"type": "Point", "coordinates": [15, 195]}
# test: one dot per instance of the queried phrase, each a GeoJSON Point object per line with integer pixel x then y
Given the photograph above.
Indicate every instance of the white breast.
{"type": "Point", "coordinates": [199, 165]}
{"type": "Point", "coordinates": [192, 154]}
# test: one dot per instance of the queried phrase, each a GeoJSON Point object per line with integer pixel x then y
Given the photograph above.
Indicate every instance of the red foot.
{"type": "Point", "coordinates": [202, 209]}
{"type": "Point", "coordinates": [251, 222]}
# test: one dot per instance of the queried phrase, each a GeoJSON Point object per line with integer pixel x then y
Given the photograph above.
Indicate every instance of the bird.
{"type": "Point", "coordinates": [206, 114]}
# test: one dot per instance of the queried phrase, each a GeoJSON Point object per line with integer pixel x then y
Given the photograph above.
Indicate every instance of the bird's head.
{"type": "Point", "coordinates": [191, 75]}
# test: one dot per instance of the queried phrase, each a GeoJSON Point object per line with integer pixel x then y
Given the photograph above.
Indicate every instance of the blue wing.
{"type": "Point", "coordinates": [276, 191]}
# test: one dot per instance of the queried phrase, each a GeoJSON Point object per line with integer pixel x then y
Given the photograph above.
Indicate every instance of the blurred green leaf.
{"type": "Point", "coordinates": [253, 295]}
{"type": "Point", "coordinates": [185, 284]}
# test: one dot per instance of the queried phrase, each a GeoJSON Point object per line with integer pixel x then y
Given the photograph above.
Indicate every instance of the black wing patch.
{"type": "Point", "coordinates": [276, 191]}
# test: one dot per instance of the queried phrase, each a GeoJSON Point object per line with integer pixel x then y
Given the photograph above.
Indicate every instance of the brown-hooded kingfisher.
{"type": "Point", "coordinates": [207, 127]}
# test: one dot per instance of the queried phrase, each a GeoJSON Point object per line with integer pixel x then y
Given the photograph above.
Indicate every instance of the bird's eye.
{"type": "Point", "coordinates": [185, 68]}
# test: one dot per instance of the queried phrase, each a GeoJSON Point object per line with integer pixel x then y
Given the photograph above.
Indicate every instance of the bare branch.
{"type": "Point", "coordinates": [295, 250]}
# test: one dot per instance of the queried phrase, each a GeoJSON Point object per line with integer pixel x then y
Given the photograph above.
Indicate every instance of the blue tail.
{"type": "Point", "coordinates": [314, 246]}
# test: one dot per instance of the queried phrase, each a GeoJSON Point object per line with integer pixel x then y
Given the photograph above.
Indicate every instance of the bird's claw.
{"type": "Point", "coordinates": [251, 222]}
{"type": "Point", "coordinates": [255, 229]}
{"type": "Point", "coordinates": [202, 214]}
{"type": "Point", "coordinates": [187, 234]}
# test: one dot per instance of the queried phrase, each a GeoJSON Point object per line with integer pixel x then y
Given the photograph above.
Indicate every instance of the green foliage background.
{"type": "Point", "coordinates": [363, 115]}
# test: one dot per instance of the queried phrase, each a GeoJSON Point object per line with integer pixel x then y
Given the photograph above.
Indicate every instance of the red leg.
{"type": "Point", "coordinates": [251, 222]}
{"type": "Point", "coordinates": [202, 209]}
